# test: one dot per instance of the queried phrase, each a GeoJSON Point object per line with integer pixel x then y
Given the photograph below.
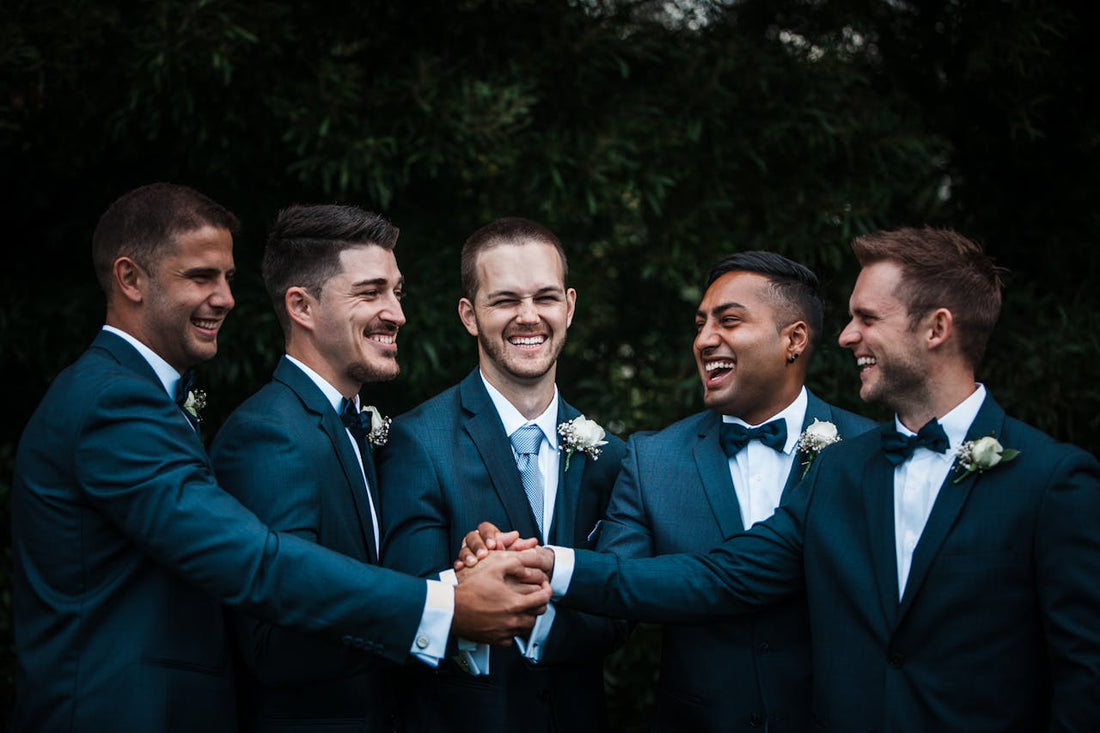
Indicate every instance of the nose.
{"type": "Point", "coordinates": [849, 337]}
{"type": "Point", "coordinates": [706, 337]}
{"type": "Point", "coordinates": [222, 297]}
{"type": "Point", "coordinates": [527, 312]}
{"type": "Point", "coordinates": [393, 312]}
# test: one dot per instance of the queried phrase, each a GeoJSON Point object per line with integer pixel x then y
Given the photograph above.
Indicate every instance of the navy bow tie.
{"type": "Point", "coordinates": [184, 387]}
{"type": "Point", "coordinates": [898, 447]}
{"type": "Point", "coordinates": [734, 436]}
{"type": "Point", "coordinates": [357, 422]}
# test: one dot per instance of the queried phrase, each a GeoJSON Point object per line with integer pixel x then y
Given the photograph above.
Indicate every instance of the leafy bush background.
{"type": "Point", "coordinates": [654, 137]}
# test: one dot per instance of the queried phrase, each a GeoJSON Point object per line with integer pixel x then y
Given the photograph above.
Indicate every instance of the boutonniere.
{"type": "Point", "coordinates": [815, 438]}
{"type": "Point", "coordinates": [195, 403]}
{"type": "Point", "coordinates": [981, 455]}
{"type": "Point", "coordinates": [378, 431]}
{"type": "Point", "coordinates": [581, 434]}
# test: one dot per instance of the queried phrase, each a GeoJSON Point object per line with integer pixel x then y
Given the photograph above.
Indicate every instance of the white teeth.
{"type": "Point", "coordinates": [528, 341]}
{"type": "Point", "coordinates": [865, 361]}
{"type": "Point", "coordinates": [209, 325]}
{"type": "Point", "coordinates": [711, 366]}
{"type": "Point", "coordinates": [382, 339]}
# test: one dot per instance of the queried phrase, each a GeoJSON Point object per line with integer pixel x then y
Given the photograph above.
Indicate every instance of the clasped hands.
{"type": "Point", "coordinates": [503, 585]}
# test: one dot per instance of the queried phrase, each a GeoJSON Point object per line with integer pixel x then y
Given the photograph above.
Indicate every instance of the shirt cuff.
{"type": "Point", "coordinates": [563, 570]}
{"type": "Point", "coordinates": [535, 645]}
{"type": "Point", "coordinates": [472, 657]}
{"type": "Point", "coordinates": [430, 643]}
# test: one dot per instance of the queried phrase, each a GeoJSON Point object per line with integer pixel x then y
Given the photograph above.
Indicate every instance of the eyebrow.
{"type": "Point", "coordinates": [207, 271]}
{"type": "Point", "coordinates": [722, 308]}
{"type": "Point", "coordinates": [376, 282]}
{"type": "Point", "coordinates": [511, 293]}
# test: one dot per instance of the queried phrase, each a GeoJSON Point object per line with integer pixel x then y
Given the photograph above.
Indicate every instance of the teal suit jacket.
{"type": "Point", "coordinates": [675, 495]}
{"type": "Point", "coordinates": [125, 547]}
{"type": "Point", "coordinates": [999, 626]}
{"type": "Point", "coordinates": [448, 466]}
{"type": "Point", "coordinates": [286, 456]}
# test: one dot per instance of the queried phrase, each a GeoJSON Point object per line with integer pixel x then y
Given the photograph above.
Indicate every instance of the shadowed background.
{"type": "Point", "coordinates": [654, 137]}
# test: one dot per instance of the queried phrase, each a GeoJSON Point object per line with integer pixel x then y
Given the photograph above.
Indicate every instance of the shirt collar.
{"type": "Point", "coordinates": [793, 414]}
{"type": "Point", "coordinates": [166, 373]}
{"type": "Point", "coordinates": [331, 393]}
{"type": "Point", "coordinates": [956, 422]}
{"type": "Point", "coordinates": [513, 419]}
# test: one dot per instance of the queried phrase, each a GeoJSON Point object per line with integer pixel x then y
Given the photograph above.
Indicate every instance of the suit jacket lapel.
{"type": "Point", "coordinates": [567, 500]}
{"type": "Point", "coordinates": [329, 423]}
{"type": "Point", "coordinates": [482, 424]}
{"type": "Point", "coordinates": [816, 409]}
{"type": "Point", "coordinates": [949, 503]}
{"type": "Point", "coordinates": [878, 503]}
{"type": "Point", "coordinates": [714, 473]}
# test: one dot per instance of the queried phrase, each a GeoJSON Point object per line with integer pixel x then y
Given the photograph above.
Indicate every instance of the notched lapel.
{"type": "Point", "coordinates": [487, 433]}
{"type": "Point", "coordinates": [878, 501]}
{"type": "Point", "coordinates": [714, 473]}
{"type": "Point", "coordinates": [948, 505]}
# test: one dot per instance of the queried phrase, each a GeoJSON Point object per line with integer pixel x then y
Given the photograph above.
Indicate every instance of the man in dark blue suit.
{"type": "Point", "coordinates": [124, 545]}
{"type": "Point", "coordinates": [949, 558]}
{"type": "Point", "coordinates": [460, 458]}
{"type": "Point", "coordinates": [710, 476]}
{"type": "Point", "coordinates": [287, 455]}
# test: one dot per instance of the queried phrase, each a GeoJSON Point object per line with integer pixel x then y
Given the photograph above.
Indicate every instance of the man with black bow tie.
{"type": "Point", "coordinates": [712, 475]}
{"type": "Point", "coordinates": [950, 559]}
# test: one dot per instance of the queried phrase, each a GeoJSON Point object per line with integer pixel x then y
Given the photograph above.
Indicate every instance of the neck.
{"type": "Point", "coordinates": [531, 398]}
{"type": "Point", "coordinates": [344, 384]}
{"type": "Point", "coordinates": [940, 397]}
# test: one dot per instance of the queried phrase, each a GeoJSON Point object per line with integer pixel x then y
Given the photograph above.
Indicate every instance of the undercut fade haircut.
{"type": "Point", "coordinates": [509, 230]}
{"type": "Point", "coordinates": [941, 268]}
{"type": "Point", "coordinates": [143, 225]}
{"type": "Point", "coordinates": [304, 245]}
{"type": "Point", "coordinates": [795, 287]}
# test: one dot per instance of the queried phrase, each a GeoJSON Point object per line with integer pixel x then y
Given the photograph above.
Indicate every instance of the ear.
{"type": "Point", "coordinates": [571, 304]}
{"type": "Point", "coordinates": [299, 306]}
{"type": "Point", "coordinates": [797, 337]}
{"type": "Point", "coordinates": [939, 328]}
{"type": "Point", "coordinates": [467, 316]}
{"type": "Point", "coordinates": [130, 281]}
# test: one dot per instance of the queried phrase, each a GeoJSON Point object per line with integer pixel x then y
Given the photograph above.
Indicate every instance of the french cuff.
{"type": "Point", "coordinates": [563, 570]}
{"type": "Point", "coordinates": [535, 645]}
{"type": "Point", "coordinates": [472, 657]}
{"type": "Point", "coordinates": [430, 643]}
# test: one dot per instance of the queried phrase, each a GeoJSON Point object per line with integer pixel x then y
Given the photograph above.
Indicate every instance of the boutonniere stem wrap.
{"type": "Point", "coordinates": [817, 436]}
{"type": "Point", "coordinates": [581, 434]}
{"type": "Point", "coordinates": [378, 428]}
{"type": "Point", "coordinates": [977, 456]}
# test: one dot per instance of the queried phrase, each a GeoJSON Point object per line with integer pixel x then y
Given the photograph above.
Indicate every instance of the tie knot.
{"type": "Point", "coordinates": [897, 447]}
{"type": "Point", "coordinates": [354, 420]}
{"type": "Point", "coordinates": [184, 387]}
{"type": "Point", "coordinates": [734, 436]}
{"type": "Point", "coordinates": [527, 440]}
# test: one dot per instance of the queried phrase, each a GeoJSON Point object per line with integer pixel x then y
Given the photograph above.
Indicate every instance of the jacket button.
{"type": "Point", "coordinates": [756, 720]}
{"type": "Point", "coordinates": [897, 659]}
{"type": "Point", "coordinates": [763, 648]}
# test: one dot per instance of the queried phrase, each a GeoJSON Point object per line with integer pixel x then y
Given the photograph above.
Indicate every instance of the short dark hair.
{"type": "Point", "coordinates": [509, 230]}
{"type": "Point", "coordinates": [795, 286]}
{"type": "Point", "coordinates": [143, 225]}
{"type": "Point", "coordinates": [304, 246]}
{"type": "Point", "coordinates": [941, 268]}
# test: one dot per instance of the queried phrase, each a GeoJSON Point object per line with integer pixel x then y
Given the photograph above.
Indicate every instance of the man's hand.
{"type": "Point", "coordinates": [501, 597]}
{"type": "Point", "coordinates": [487, 537]}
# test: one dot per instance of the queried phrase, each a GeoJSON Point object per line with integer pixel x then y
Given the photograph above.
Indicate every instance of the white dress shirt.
{"type": "Point", "coordinates": [918, 479]}
{"type": "Point", "coordinates": [759, 472]}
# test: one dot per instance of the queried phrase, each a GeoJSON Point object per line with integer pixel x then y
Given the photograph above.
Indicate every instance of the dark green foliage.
{"type": "Point", "coordinates": [653, 137]}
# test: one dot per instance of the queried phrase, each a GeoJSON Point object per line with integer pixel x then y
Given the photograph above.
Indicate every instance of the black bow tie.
{"type": "Point", "coordinates": [184, 387]}
{"type": "Point", "coordinates": [734, 436]}
{"type": "Point", "coordinates": [355, 421]}
{"type": "Point", "coordinates": [898, 447]}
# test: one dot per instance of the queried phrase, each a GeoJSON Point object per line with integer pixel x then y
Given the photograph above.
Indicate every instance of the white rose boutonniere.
{"type": "Point", "coordinates": [195, 403]}
{"type": "Point", "coordinates": [981, 455]}
{"type": "Point", "coordinates": [581, 434]}
{"type": "Point", "coordinates": [817, 436]}
{"type": "Point", "coordinates": [379, 431]}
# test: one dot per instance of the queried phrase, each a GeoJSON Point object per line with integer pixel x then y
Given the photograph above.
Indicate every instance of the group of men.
{"type": "Point", "coordinates": [307, 573]}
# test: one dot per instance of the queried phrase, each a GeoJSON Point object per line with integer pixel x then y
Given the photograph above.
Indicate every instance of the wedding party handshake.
{"type": "Point", "coordinates": [812, 570]}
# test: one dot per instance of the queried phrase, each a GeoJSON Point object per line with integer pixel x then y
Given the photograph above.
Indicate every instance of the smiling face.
{"type": "Point", "coordinates": [520, 314]}
{"type": "Point", "coordinates": [892, 365]}
{"type": "Point", "coordinates": [188, 297]}
{"type": "Point", "coordinates": [742, 351]}
{"type": "Point", "coordinates": [352, 327]}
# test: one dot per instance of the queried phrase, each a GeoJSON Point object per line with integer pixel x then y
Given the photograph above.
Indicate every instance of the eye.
{"type": "Point", "coordinates": [729, 321]}
{"type": "Point", "coordinates": [399, 294]}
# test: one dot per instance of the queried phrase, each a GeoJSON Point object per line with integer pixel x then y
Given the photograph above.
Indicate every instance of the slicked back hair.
{"type": "Point", "coordinates": [941, 268]}
{"type": "Point", "coordinates": [509, 230]}
{"type": "Point", "coordinates": [304, 246]}
{"type": "Point", "coordinates": [143, 225]}
{"type": "Point", "coordinates": [795, 287]}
